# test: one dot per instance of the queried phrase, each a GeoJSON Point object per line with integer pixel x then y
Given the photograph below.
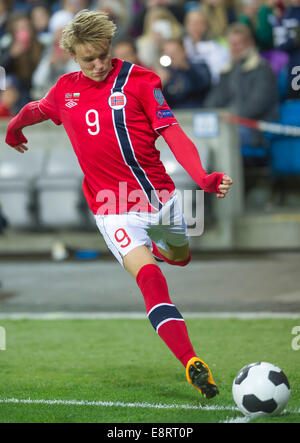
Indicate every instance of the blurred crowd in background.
{"type": "Point", "coordinates": [235, 54]}
{"type": "Point", "coordinates": [239, 55]}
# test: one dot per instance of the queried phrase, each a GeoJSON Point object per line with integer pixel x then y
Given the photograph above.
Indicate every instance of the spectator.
{"type": "Point", "coordinates": [4, 12]}
{"type": "Point", "coordinates": [118, 12]}
{"type": "Point", "coordinates": [199, 48]}
{"type": "Point", "coordinates": [22, 54]}
{"type": "Point", "coordinates": [287, 38]}
{"type": "Point", "coordinates": [141, 8]}
{"type": "Point", "coordinates": [23, 6]}
{"type": "Point", "coordinates": [54, 63]}
{"type": "Point", "coordinates": [40, 16]}
{"type": "Point", "coordinates": [220, 14]}
{"type": "Point", "coordinates": [259, 19]}
{"type": "Point", "coordinates": [185, 84]}
{"type": "Point", "coordinates": [277, 7]}
{"type": "Point", "coordinates": [9, 98]}
{"type": "Point", "coordinates": [137, 14]}
{"type": "Point", "coordinates": [126, 50]}
{"type": "Point", "coordinates": [160, 24]}
{"type": "Point", "coordinates": [67, 12]}
{"type": "Point", "coordinates": [248, 87]}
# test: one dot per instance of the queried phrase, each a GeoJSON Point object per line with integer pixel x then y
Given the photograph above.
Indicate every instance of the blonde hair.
{"type": "Point", "coordinates": [93, 27]}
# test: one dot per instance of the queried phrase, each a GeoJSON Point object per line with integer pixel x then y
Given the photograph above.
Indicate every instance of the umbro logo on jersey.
{"type": "Point", "coordinates": [117, 101]}
{"type": "Point", "coordinates": [71, 103]}
{"type": "Point", "coordinates": [72, 99]}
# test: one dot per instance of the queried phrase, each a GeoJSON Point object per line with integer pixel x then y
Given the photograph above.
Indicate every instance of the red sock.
{"type": "Point", "coordinates": [163, 315]}
{"type": "Point", "coordinates": [157, 254]}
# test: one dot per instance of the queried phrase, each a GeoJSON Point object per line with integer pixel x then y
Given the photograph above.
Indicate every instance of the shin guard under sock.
{"type": "Point", "coordinates": [163, 315]}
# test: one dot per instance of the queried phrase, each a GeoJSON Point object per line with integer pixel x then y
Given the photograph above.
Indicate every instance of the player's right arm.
{"type": "Point", "coordinates": [29, 115]}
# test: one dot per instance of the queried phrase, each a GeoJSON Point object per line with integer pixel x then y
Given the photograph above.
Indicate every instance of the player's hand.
{"type": "Point", "coordinates": [224, 186]}
{"type": "Point", "coordinates": [15, 138]}
{"type": "Point", "coordinates": [20, 148]}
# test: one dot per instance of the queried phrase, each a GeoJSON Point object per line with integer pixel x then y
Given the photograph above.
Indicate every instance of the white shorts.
{"type": "Point", "coordinates": [124, 232]}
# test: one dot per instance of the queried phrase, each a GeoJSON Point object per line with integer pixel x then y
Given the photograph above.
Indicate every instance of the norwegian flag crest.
{"type": "Point", "coordinates": [117, 100]}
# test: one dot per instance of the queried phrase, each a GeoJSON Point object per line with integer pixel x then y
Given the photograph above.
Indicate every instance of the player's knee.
{"type": "Point", "coordinates": [182, 262]}
{"type": "Point", "coordinates": [186, 262]}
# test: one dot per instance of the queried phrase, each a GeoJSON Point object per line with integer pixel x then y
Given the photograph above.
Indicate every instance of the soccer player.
{"type": "Point", "coordinates": [113, 111]}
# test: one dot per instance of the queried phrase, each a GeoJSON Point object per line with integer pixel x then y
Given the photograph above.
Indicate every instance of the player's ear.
{"type": "Point", "coordinates": [73, 55]}
{"type": "Point", "coordinates": [109, 48]}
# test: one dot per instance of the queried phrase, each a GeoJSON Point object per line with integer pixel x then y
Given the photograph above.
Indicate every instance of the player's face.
{"type": "Point", "coordinates": [95, 63]}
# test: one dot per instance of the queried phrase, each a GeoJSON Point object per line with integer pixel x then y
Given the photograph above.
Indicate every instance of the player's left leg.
{"type": "Point", "coordinates": [162, 313]}
{"type": "Point", "coordinates": [166, 319]}
{"type": "Point", "coordinates": [128, 240]}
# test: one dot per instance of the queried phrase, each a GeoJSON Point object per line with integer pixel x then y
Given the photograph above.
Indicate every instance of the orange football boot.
{"type": "Point", "coordinates": [199, 375]}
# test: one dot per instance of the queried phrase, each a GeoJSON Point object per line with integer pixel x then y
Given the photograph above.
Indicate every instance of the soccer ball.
{"type": "Point", "coordinates": [261, 389]}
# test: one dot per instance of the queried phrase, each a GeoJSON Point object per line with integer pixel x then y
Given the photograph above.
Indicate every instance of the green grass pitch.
{"type": "Point", "coordinates": [127, 371]}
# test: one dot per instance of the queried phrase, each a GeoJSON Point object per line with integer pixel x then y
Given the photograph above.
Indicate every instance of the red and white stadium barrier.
{"type": "Point", "coordinates": [261, 125]}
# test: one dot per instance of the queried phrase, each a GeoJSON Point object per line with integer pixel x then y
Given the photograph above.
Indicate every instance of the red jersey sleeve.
{"type": "Point", "coordinates": [49, 105]}
{"type": "Point", "coordinates": [153, 102]}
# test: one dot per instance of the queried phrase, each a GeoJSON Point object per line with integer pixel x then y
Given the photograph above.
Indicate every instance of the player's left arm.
{"type": "Point", "coordinates": [187, 155]}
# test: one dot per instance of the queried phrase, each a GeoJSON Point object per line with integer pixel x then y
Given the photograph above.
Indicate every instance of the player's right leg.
{"type": "Point", "coordinates": [174, 255]}
{"type": "Point", "coordinates": [168, 232]}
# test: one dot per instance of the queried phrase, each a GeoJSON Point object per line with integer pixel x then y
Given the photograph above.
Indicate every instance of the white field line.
{"type": "Point", "coordinates": [140, 315]}
{"type": "Point", "coordinates": [247, 419]}
{"type": "Point", "coordinates": [236, 420]}
{"type": "Point", "coordinates": [118, 404]}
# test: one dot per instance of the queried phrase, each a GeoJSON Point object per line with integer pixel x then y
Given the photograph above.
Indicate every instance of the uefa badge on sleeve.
{"type": "Point", "coordinates": [117, 101]}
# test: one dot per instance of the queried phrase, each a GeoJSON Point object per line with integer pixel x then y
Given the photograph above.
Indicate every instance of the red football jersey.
{"type": "Point", "coordinates": [112, 126]}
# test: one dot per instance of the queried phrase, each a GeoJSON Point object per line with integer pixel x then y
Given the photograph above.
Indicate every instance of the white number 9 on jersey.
{"type": "Point", "coordinates": [93, 121]}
